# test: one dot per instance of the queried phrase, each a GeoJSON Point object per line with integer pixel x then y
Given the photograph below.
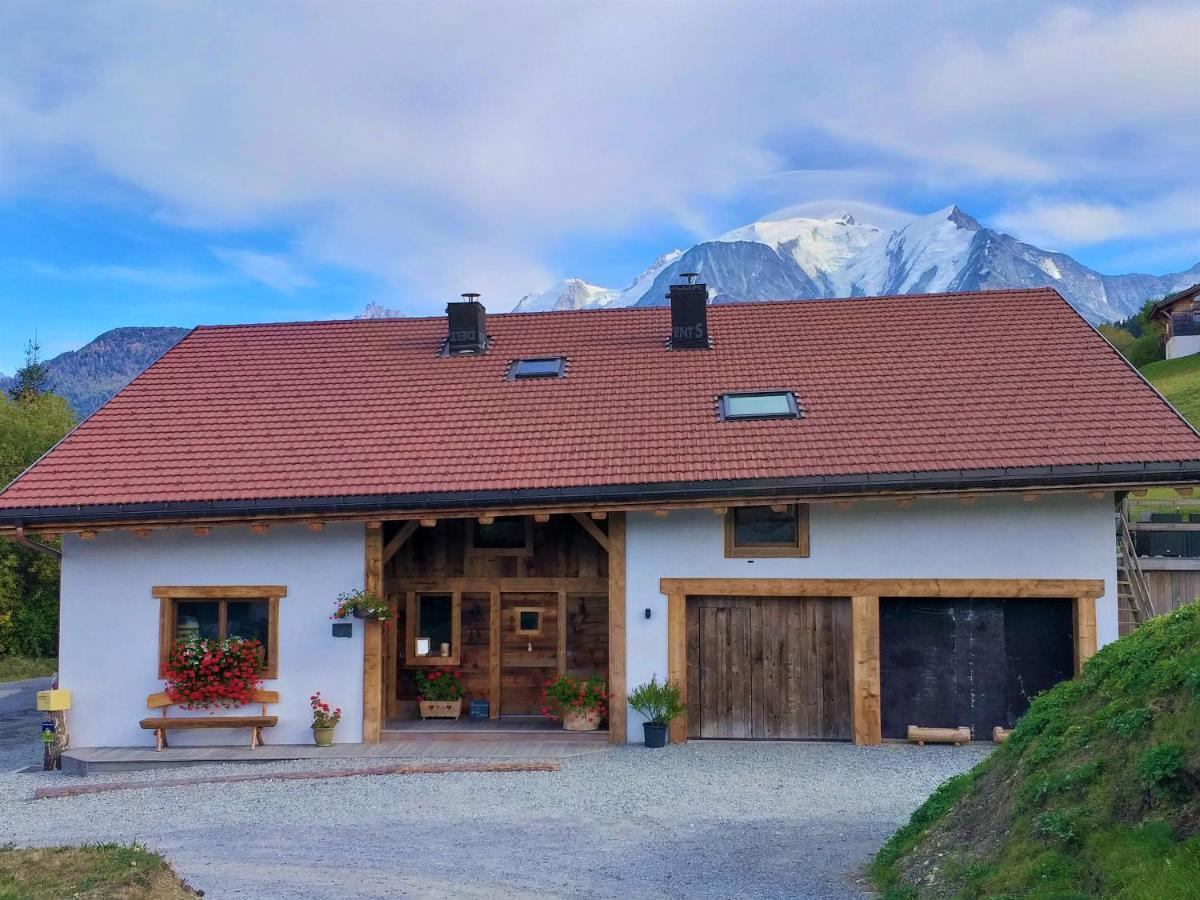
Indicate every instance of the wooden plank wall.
{"type": "Point", "coordinates": [562, 549]}
{"type": "Point", "coordinates": [1172, 588]}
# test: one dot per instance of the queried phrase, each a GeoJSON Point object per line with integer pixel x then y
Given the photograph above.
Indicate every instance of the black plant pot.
{"type": "Point", "coordinates": [656, 735]}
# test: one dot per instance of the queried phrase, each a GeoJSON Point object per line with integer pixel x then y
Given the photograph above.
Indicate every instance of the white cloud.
{"type": "Point", "coordinates": [274, 271]}
{"type": "Point", "coordinates": [441, 147]}
{"type": "Point", "coordinates": [1078, 223]}
{"type": "Point", "coordinates": [158, 277]}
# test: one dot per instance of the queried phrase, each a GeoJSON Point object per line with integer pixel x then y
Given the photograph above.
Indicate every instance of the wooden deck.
{"type": "Point", "coordinates": [515, 730]}
{"type": "Point", "coordinates": [536, 746]}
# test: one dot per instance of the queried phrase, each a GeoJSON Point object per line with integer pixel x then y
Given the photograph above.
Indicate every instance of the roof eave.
{"type": "Point", "coordinates": [1112, 475]}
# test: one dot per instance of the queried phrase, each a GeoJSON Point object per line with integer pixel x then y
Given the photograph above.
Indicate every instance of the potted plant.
{"type": "Point", "coordinates": [362, 605]}
{"type": "Point", "coordinates": [581, 703]}
{"type": "Point", "coordinates": [659, 704]}
{"type": "Point", "coordinates": [441, 694]}
{"type": "Point", "coordinates": [324, 720]}
{"type": "Point", "coordinates": [208, 674]}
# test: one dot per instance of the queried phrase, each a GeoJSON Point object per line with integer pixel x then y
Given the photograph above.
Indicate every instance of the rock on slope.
{"type": "Point", "coordinates": [1095, 794]}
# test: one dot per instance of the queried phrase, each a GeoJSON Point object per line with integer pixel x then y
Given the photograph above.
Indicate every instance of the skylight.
{"type": "Point", "coordinates": [759, 405]}
{"type": "Point", "coordinates": [540, 367]}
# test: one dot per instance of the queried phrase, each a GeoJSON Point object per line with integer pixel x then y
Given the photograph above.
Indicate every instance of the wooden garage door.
{"type": "Point", "coordinates": [768, 668]}
{"type": "Point", "coordinates": [975, 662]}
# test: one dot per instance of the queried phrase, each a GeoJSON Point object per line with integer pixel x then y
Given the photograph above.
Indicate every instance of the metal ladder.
{"type": "Point", "coordinates": [1132, 590]}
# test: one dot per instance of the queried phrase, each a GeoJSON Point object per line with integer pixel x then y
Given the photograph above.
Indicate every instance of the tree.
{"type": "Point", "coordinates": [33, 378]}
{"type": "Point", "coordinates": [1138, 338]}
{"type": "Point", "coordinates": [29, 426]}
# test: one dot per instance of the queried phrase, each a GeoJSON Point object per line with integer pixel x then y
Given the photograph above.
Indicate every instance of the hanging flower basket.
{"type": "Point", "coordinates": [362, 605]}
{"type": "Point", "coordinates": [206, 674]}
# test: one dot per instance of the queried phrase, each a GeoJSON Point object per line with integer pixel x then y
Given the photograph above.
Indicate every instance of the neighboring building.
{"type": "Point", "coordinates": [1180, 319]}
{"type": "Point", "coordinates": [824, 519]}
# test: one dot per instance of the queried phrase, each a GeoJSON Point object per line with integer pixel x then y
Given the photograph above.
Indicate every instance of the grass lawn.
{"type": "Point", "coordinates": [103, 870]}
{"type": "Point", "coordinates": [19, 668]}
{"type": "Point", "coordinates": [1179, 381]}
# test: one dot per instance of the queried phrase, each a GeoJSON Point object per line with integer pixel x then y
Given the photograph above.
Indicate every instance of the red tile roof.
{"type": "Point", "coordinates": [992, 380]}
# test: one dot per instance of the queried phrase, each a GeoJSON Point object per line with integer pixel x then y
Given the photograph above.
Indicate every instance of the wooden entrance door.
{"type": "Point", "coordinates": [769, 668]}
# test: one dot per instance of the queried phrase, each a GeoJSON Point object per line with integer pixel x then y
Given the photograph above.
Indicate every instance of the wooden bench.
{"type": "Point", "coordinates": [160, 725]}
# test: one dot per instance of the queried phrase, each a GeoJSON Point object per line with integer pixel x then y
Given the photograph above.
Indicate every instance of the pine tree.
{"type": "Point", "coordinates": [32, 379]}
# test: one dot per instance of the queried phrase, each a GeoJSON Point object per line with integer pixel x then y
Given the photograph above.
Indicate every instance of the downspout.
{"type": "Point", "coordinates": [36, 545]}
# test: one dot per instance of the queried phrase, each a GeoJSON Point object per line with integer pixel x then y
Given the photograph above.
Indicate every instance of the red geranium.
{"type": "Point", "coordinates": [570, 694]}
{"type": "Point", "coordinates": [439, 685]}
{"type": "Point", "coordinates": [207, 674]}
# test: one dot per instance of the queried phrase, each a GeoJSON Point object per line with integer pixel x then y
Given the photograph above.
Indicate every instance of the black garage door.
{"type": "Point", "coordinates": [978, 663]}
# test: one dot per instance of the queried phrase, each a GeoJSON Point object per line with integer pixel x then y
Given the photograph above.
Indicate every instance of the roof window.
{"type": "Point", "coordinates": [759, 405]}
{"type": "Point", "coordinates": [540, 367]}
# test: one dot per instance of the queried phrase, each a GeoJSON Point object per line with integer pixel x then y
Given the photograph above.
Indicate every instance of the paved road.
{"type": "Point", "coordinates": [20, 745]}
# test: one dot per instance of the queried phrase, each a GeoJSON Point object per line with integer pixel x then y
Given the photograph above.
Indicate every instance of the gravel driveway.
{"type": "Point", "coordinates": [20, 728]}
{"type": "Point", "coordinates": [705, 820]}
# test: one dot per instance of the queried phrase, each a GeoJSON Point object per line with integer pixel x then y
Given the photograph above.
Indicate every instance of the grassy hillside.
{"type": "Point", "coordinates": [1096, 794]}
{"type": "Point", "coordinates": [1179, 382]}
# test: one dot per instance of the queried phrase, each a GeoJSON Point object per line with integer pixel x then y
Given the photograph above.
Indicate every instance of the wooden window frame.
{"type": "Point", "coordinates": [169, 595]}
{"type": "Point", "coordinates": [527, 632]}
{"type": "Point", "coordinates": [411, 607]}
{"type": "Point", "coordinates": [734, 550]}
{"type": "Point", "coordinates": [527, 550]}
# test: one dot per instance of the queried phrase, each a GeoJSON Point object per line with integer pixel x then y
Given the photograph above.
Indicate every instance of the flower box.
{"type": "Point", "coordinates": [441, 709]}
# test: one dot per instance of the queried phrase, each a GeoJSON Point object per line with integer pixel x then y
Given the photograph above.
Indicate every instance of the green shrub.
{"type": "Point", "coordinates": [1161, 769]}
{"type": "Point", "coordinates": [1058, 826]}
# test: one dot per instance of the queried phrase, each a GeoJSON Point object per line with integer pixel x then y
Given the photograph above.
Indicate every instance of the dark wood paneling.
{"type": "Point", "coordinates": [972, 662]}
{"type": "Point", "coordinates": [769, 668]}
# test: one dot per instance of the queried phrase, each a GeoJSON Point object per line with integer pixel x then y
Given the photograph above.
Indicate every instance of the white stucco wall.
{"type": "Point", "coordinates": [1059, 536]}
{"type": "Point", "coordinates": [1185, 345]}
{"type": "Point", "coordinates": [108, 644]}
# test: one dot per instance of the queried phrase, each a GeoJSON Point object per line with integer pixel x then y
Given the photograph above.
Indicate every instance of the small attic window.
{"type": "Point", "coordinates": [759, 405]}
{"type": "Point", "coordinates": [539, 367]}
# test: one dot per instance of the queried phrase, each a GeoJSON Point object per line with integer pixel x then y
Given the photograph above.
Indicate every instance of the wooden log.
{"type": "Point", "coordinates": [1000, 735]}
{"type": "Point", "coordinates": [922, 736]}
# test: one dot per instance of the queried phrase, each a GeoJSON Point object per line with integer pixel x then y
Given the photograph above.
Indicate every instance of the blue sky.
{"type": "Point", "coordinates": [182, 164]}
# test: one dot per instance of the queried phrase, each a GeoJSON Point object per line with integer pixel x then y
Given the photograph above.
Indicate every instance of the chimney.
{"type": "Point", "coordinates": [467, 326]}
{"type": "Point", "coordinates": [689, 314]}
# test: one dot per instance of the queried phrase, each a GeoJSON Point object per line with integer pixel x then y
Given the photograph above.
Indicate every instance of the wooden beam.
{"type": "Point", "coordinates": [428, 523]}
{"type": "Point", "coordinates": [677, 659]}
{"type": "Point", "coordinates": [599, 515]}
{"type": "Point", "coordinates": [218, 591]}
{"type": "Point", "coordinates": [398, 539]}
{"type": "Point", "coordinates": [617, 707]}
{"type": "Point", "coordinates": [541, 518]}
{"type": "Point", "coordinates": [373, 640]}
{"type": "Point", "coordinates": [1001, 588]}
{"type": "Point", "coordinates": [494, 653]}
{"type": "Point", "coordinates": [201, 530]}
{"type": "Point", "coordinates": [864, 660]}
{"type": "Point", "coordinates": [592, 528]}
{"type": "Point", "coordinates": [1085, 631]}
{"type": "Point", "coordinates": [561, 653]}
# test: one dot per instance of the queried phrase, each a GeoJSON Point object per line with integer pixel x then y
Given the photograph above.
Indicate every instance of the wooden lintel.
{"type": "Point", "coordinates": [541, 518]}
{"type": "Point", "coordinates": [486, 520]}
{"type": "Point", "coordinates": [593, 529]}
{"type": "Point", "coordinates": [201, 530]}
{"type": "Point", "coordinates": [428, 523]}
{"type": "Point", "coordinates": [87, 535]}
{"type": "Point", "coordinates": [599, 515]}
{"type": "Point", "coordinates": [316, 526]}
{"type": "Point", "coordinates": [398, 539]}
{"type": "Point", "coordinates": [1183, 491]}
{"type": "Point", "coordinates": [884, 587]}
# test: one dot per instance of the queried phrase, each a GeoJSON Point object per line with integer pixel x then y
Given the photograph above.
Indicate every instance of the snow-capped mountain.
{"type": "Point", "coordinates": [573, 293]}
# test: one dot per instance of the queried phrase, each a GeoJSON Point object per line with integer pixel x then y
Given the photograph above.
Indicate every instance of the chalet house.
{"type": "Point", "coordinates": [1179, 316]}
{"type": "Point", "coordinates": [824, 519]}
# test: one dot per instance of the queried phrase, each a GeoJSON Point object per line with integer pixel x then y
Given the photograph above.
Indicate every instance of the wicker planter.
{"type": "Point", "coordinates": [582, 720]}
{"type": "Point", "coordinates": [441, 709]}
{"type": "Point", "coordinates": [323, 737]}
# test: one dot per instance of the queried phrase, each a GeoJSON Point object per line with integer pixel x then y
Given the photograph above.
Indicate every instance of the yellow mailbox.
{"type": "Point", "coordinates": [53, 701]}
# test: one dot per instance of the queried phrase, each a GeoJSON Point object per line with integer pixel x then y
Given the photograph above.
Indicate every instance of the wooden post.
{"type": "Point", "coordinates": [677, 659]}
{"type": "Point", "coordinates": [864, 668]}
{"type": "Point", "coordinates": [617, 711]}
{"type": "Point", "coordinates": [494, 655]}
{"type": "Point", "coordinates": [561, 655]}
{"type": "Point", "coordinates": [373, 640]}
{"type": "Point", "coordinates": [1085, 631]}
